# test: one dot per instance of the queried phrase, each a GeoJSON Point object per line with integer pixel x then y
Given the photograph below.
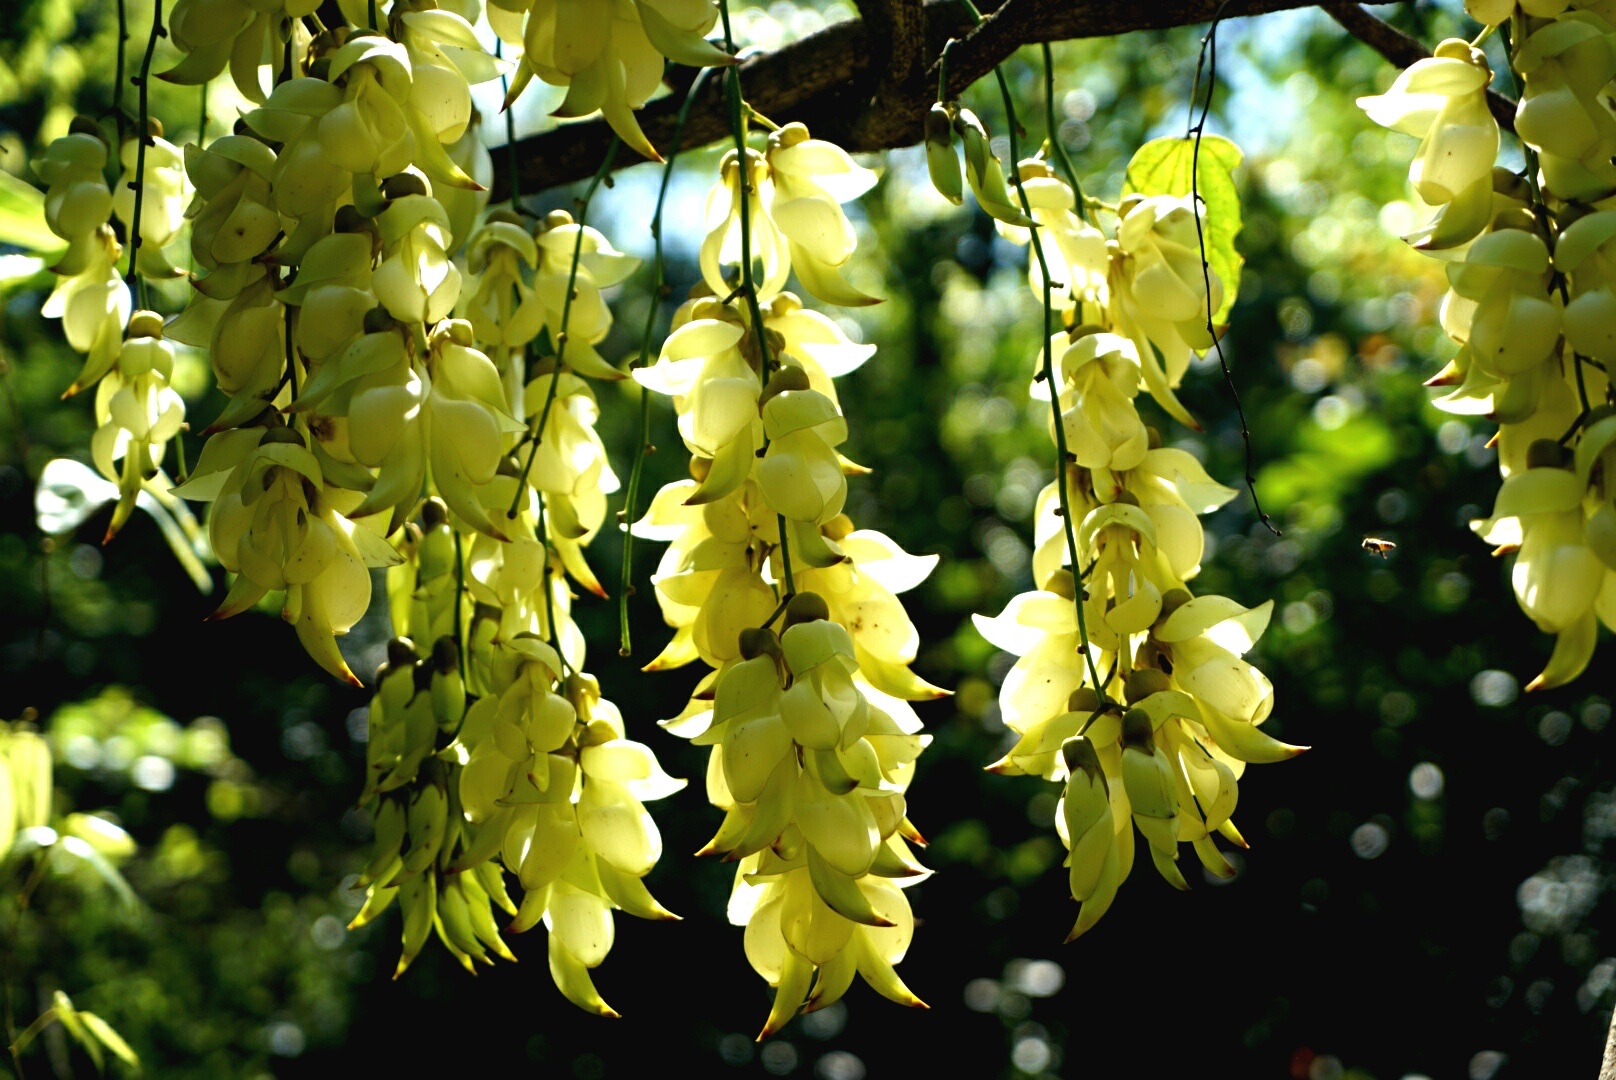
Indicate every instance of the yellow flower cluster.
{"type": "Point", "coordinates": [1530, 301]}
{"type": "Point", "coordinates": [1159, 740]}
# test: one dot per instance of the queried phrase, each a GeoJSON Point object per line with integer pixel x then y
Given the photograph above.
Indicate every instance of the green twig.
{"type": "Point", "coordinates": [117, 77]}
{"type": "Point", "coordinates": [1062, 455]}
{"type": "Point", "coordinates": [550, 594]}
{"type": "Point", "coordinates": [659, 290]}
{"type": "Point", "coordinates": [738, 115]}
{"type": "Point", "coordinates": [460, 598]}
{"type": "Point", "coordinates": [1209, 58]}
{"type": "Point", "coordinates": [510, 129]}
{"type": "Point", "coordinates": [536, 434]}
{"type": "Point", "coordinates": [139, 182]}
{"type": "Point", "coordinates": [291, 349]}
{"type": "Point", "coordinates": [779, 610]}
{"type": "Point", "coordinates": [1052, 138]}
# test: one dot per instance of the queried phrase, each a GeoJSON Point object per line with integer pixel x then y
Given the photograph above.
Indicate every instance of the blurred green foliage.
{"type": "Point", "coordinates": [1425, 891]}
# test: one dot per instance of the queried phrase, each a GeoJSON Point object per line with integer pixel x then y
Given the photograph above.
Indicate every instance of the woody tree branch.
{"type": "Point", "coordinates": [855, 82]}
{"type": "Point", "coordinates": [896, 29]}
{"type": "Point", "coordinates": [866, 83]}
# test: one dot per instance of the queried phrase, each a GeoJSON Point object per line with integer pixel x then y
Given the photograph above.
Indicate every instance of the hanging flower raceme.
{"type": "Point", "coordinates": [426, 852]}
{"type": "Point", "coordinates": [90, 296]}
{"type": "Point", "coordinates": [233, 215]}
{"type": "Point", "coordinates": [138, 412]}
{"type": "Point", "coordinates": [1442, 101]}
{"type": "Point", "coordinates": [369, 130]}
{"type": "Point", "coordinates": [508, 758]}
{"type": "Point", "coordinates": [1169, 764]}
{"type": "Point", "coordinates": [548, 771]}
{"type": "Point", "coordinates": [608, 56]}
{"type": "Point", "coordinates": [1164, 294]}
{"type": "Point", "coordinates": [94, 305]}
{"type": "Point", "coordinates": [794, 220]}
{"type": "Point", "coordinates": [1116, 538]}
{"type": "Point", "coordinates": [1079, 261]}
{"type": "Point", "coordinates": [274, 528]}
{"type": "Point", "coordinates": [813, 742]}
{"type": "Point", "coordinates": [576, 261]}
{"type": "Point", "coordinates": [1531, 307]}
{"type": "Point", "coordinates": [570, 469]}
{"type": "Point", "coordinates": [166, 194]}
{"type": "Point", "coordinates": [1561, 582]}
{"type": "Point", "coordinates": [215, 33]}
{"type": "Point", "coordinates": [1566, 65]}
{"type": "Point", "coordinates": [366, 427]}
{"type": "Point", "coordinates": [1499, 305]}
{"type": "Point", "coordinates": [307, 181]}
{"type": "Point", "coordinates": [499, 303]}
{"type": "Point", "coordinates": [77, 201]}
{"type": "Point", "coordinates": [810, 775]}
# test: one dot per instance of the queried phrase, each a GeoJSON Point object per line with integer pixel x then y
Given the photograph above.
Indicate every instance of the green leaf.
{"type": "Point", "coordinates": [1164, 166]}
{"type": "Point", "coordinates": [22, 217]}
{"type": "Point", "coordinates": [73, 845]}
{"type": "Point", "coordinates": [110, 1038]}
{"type": "Point", "coordinates": [74, 1023]}
{"type": "Point", "coordinates": [41, 1022]}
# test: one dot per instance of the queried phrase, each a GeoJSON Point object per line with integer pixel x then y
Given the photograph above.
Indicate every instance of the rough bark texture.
{"type": "Point", "coordinates": [865, 84]}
